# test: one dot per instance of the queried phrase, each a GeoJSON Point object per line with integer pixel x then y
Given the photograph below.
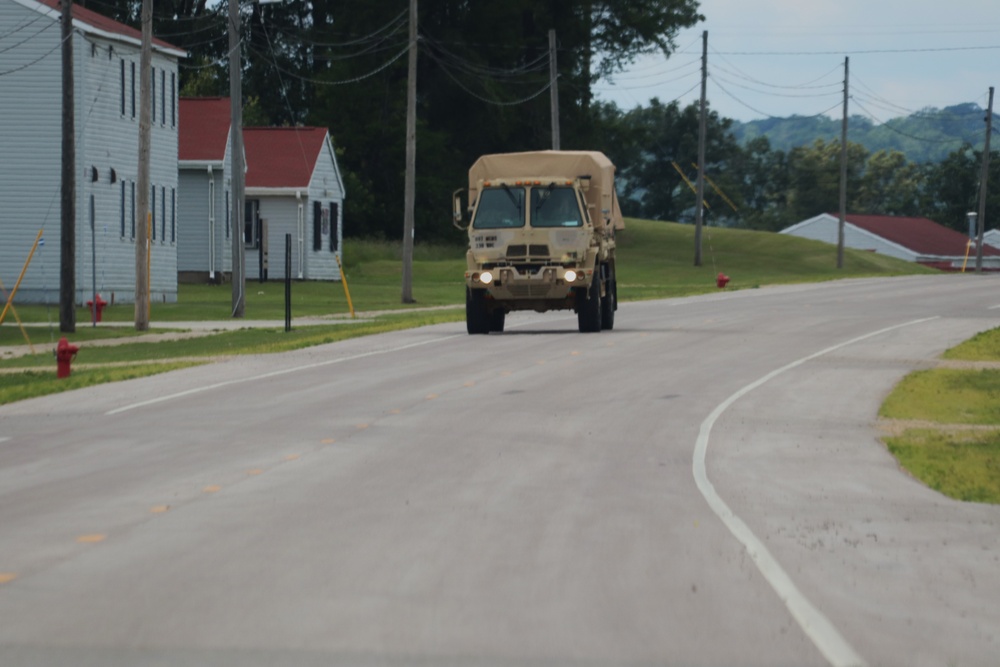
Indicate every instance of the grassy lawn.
{"type": "Point", "coordinates": [955, 447]}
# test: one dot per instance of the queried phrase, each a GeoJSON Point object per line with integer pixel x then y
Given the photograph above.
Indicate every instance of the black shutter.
{"type": "Point", "coordinates": [317, 226]}
{"type": "Point", "coordinates": [334, 223]}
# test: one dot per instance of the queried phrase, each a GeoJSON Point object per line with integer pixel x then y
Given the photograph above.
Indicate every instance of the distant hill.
{"type": "Point", "coordinates": [928, 135]}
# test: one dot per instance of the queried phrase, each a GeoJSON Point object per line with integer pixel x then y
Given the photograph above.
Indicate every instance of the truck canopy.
{"type": "Point", "coordinates": [556, 165]}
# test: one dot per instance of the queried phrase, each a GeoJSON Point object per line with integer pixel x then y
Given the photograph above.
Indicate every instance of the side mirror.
{"type": "Point", "coordinates": [457, 217]}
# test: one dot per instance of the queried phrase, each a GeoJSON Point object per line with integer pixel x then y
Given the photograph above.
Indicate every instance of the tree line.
{"type": "Point", "coordinates": [483, 87]}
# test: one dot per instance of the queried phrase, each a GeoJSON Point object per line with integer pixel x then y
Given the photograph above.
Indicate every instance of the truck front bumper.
{"type": "Point", "coordinates": [507, 283]}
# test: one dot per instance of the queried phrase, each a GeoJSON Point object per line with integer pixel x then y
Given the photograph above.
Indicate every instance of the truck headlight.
{"type": "Point", "coordinates": [486, 277]}
{"type": "Point", "coordinates": [570, 276]}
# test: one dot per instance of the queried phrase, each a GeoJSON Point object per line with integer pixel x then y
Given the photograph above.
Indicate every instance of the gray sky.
{"type": "Point", "coordinates": [784, 57]}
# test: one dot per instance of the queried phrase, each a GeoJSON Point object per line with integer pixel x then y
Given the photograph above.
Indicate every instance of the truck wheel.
{"type": "Point", "coordinates": [608, 306]}
{"type": "Point", "coordinates": [476, 316]}
{"type": "Point", "coordinates": [497, 319]}
{"type": "Point", "coordinates": [588, 307]}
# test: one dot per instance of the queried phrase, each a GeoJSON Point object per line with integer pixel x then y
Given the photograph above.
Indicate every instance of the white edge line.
{"type": "Point", "coordinates": [284, 371]}
{"type": "Point", "coordinates": [996, 307]}
{"type": "Point", "coordinates": [817, 627]}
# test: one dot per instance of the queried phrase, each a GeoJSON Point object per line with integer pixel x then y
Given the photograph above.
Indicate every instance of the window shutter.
{"type": "Point", "coordinates": [334, 225]}
{"type": "Point", "coordinates": [317, 225]}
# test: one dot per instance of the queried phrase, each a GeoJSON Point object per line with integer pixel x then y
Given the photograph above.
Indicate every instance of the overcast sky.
{"type": "Point", "coordinates": [783, 57]}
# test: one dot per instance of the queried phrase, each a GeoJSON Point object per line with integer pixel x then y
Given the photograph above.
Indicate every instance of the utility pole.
{"type": "Point", "coordinates": [843, 174]}
{"type": "Point", "coordinates": [702, 131]}
{"type": "Point", "coordinates": [409, 188]}
{"type": "Point", "coordinates": [142, 209]}
{"type": "Point", "coordinates": [554, 89]}
{"type": "Point", "coordinates": [67, 228]}
{"type": "Point", "coordinates": [983, 180]}
{"type": "Point", "coordinates": [238, 171]}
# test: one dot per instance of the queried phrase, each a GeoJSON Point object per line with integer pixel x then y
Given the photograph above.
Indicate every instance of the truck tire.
{"type": "Point", "coordinates": [476, 316]}
{"type": "Point", "coordinates": [608, 305]}
{"type": "Point", "coordinates": [497, 318]}
{"type": "Point", "coordinates": [588, 306]}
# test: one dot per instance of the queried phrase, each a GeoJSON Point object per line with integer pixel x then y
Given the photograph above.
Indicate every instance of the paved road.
{"type": "Point", "coordinates": [702, 486]}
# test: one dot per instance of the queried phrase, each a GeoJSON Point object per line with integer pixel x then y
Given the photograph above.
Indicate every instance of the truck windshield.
{"type": "Point", "coordinates": [500, 207]}
{"type": "Point", "coordinates": [555, 207]}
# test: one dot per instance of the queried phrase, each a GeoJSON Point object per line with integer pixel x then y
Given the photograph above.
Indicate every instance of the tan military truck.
{"type": "Point", "coordinates": [541, 237]}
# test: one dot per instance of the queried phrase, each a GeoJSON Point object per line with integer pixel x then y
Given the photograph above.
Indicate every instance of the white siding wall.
{"type": "Point", "coordinates": [106, 140]}
{"type": "Point", "coordinates": [325, 188]}
{"type": "Point", "coordinates": [30, 137]}
{"type": "Point", "coordinates": [202, 215]}
{"type": "Point", "coordinates": [281, 213]}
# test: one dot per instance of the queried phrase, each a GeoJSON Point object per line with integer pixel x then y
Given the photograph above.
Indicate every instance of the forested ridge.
{"type": "Point", "coordinates": [483, 87]}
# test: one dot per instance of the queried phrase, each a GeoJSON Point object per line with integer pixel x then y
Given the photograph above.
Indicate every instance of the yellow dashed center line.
{"type": "Point", "coordinates": [362, 427]}
{"type": "Point", "coordinates": [292, 457]}
{"type": "Point", "coordinates": [6, 577]}
{"type": "Point", "coordinates": [395, 411]}
{"type": "Point", "coordinates": [212, 488]}
{"type": "Point", "coordinates": [431, 397]}
{"type": "Point", "coordinates": [91, 539]}
{"type": "Point", "coordinates": [470, 383]}
{"type": "Point", "coordinates": [159, 509]}
{"type": "Point", "coordinates": [327, 441]}
{"type": "Point", "coordinates": [255, 471]}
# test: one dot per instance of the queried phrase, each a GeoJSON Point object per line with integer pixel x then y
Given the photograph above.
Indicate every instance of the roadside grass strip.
{"type": "Point", "coordinates": [945, 423]}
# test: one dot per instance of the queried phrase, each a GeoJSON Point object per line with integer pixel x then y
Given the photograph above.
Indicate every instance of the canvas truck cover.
{"type": "Point", "coordinates": [556, 164]}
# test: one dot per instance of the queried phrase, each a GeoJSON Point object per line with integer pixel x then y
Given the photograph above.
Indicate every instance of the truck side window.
{"type": "Point", "coordinates": [500, 207]}
{"type": "Point", "coordinates": [555, 207]}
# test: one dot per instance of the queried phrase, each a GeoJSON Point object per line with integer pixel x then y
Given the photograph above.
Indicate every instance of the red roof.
{"type": "Point", "coordinates": [922, 236]}
{"type": "Point", "coordinates": [281, 157]}
{"type": "Point", "coordinates": [203, 131]}
{"type": "Point", "coordinates": [105, 24]}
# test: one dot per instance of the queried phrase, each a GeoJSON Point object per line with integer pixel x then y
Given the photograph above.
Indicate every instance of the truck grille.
{"type": "Point", "coordinates": [516, 251]}
{"type": "Point", "coordinates": [532, 290]}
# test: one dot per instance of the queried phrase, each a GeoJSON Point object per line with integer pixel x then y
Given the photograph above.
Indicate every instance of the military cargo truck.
{"type": "Point", "coordinates": [541, 237]}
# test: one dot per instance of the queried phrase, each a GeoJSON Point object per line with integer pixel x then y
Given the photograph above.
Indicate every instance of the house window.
{"type": "Point", "coordinates": [163, 214]}
{"type": "Point", "coordinates": [173, 99]}
{"type": "Point", "coordinates": [133, 89]}
{"type": "Point", "coordinates": [251, 222]}
{"type": "Point", "coordinates": [173, 215]}
{"type": "Point", "coordinates": [122, 105]}
{"type": "Point", "coordinates": [122, 206]}
{"type": "Point", "coordinates": [152, 95]}
{"type": "Point", "coordinates": [152, 212]}
{"type": "Point", "coordinates": [334, 225]}
{"type": "Point", "coordinates": [227, 214]}
{"type": "Point", "coordinates": [133, 208]}
{"type": "Point", "coordinates": [317, 225]}
{"type": "Point", "coordinates": [163, 96]}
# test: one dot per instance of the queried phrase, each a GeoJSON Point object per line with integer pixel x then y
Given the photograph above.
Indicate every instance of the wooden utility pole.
{"type": "Point", "coordinates": [554, 90]}
{"type": "Point", "coordinates": [238, 172]}
{"type": "Point", "coordinates": [702, 132]}
{"type": "Point", "coordinates": [142, 209]}
{"type": "Point", "coordinates": [409, 188]}
{"type": "Point", "coordinates": [67, 228]}
{"type": "Point", "coordinates": [984, 178]}
{"type": "Point", "coordinates": [843, 174]}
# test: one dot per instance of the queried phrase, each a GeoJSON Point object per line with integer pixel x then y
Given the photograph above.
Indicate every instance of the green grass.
{"type": "Point", "coordinates": [964, 465]}
{"type": "Point", "coordinates": [31, 384]}
{"type": "Point", "coordinates": [951, 455]}
{"type": "Point", "coordinates": [947, 396]}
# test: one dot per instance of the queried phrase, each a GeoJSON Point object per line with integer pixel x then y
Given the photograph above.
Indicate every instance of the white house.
{"type": "Point", "coordinates": [106, 116]}
{"type": "Point", "coordinates": [204, 245]}
{"type": "Point", "coordinates": [293, 187]}
{"type": "Point", "coordinates": [992, 238]}
{"type": "Point", "coordinates": [917, 240]}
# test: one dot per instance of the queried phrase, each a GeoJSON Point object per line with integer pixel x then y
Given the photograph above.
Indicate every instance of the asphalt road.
{"type": "Point", "coordinates": [703, 485]}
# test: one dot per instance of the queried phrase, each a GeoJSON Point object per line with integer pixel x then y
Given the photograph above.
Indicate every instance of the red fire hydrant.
{"type": "Point", "coordinates": [721, 280]}
{"type": "Point", "coordinates": [64, 355]}
{"type": "Point", "coordinates": [96, 307]}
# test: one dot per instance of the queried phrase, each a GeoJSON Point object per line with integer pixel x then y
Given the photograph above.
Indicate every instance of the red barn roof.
{"type": "Point", "coordinates": [281, 157]}
{"type": "Point", "coordinates": [922, 236]}
{"type": "Point", "coordinates": [203, 131]}
{"type": "Point", "coordinates": [104, 24]}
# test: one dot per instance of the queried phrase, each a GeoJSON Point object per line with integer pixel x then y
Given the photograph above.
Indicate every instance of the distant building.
{"type": "Point", "coordinates": [294, 187]}
{"type": "Point", "coordinates": [106, 116]}
{"type": "Point", "coordinates": [917, 240]}
{"type": "Point", "coordinates": [992, 238]}
{"type": "Point", "coordinates": [204, 246]}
